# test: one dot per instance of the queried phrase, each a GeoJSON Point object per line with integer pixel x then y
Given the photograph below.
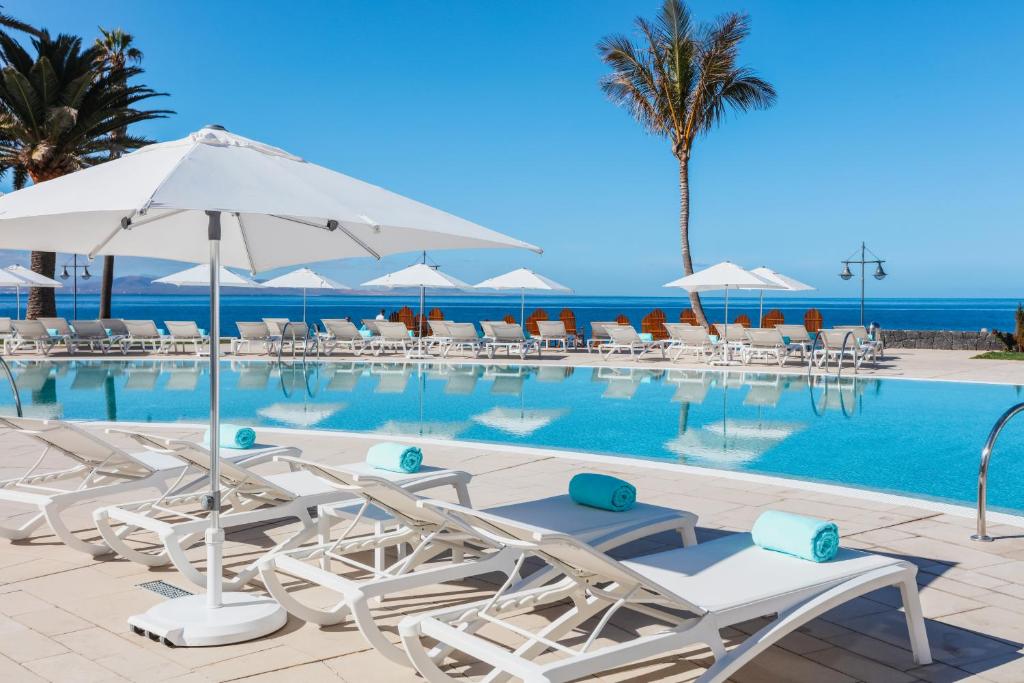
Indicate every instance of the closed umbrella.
{"type": "Point", "coordinates": [304, 279]}
{"type": "Point", "coordinates": [785, 283]}
{"type": "Point", "coordinates": [218, 198]}
{"type": "Point", "coordinates": [424, 277]}
{"type": "Point", "coordinates": [19, 276]}
{"type": "Point", "coordinates": [722, 276]}
{"type": "Point", "coordinates": [523, 279]}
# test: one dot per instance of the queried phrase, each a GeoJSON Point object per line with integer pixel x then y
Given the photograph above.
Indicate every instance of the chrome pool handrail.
{"type": "Point", "coordinates": [14, 385]}
{"type": "Point", "coordinates": [986, 455]}
{"type": "Point", "coordinates": [842, 352]}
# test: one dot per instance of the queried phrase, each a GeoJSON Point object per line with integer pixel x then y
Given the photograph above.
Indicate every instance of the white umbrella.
{"type": "Point", "coordinates": [423, 276]}
{"type": "Point", "coordinates": [785, 282]}
{"type": "Point", "coordinates": [184, 200]}
{"type": "Point", "coordinates": [519, 421]}
{"type": "Point", "coordinates": [304, 279]}
{"type": "Point", "coordinates": [523, 279]}
{"type": "Point", "coordinates": [722, 276]}
{"type": "Point", "coordinates": [300, 414]}
{"type": "Point", "coordinates": [199, 276]}
{"type": "Point", "coordinates": [19, 276]}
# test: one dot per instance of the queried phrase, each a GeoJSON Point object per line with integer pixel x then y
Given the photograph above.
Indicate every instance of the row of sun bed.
{"type": "Point", "coordinates": [378, 533]}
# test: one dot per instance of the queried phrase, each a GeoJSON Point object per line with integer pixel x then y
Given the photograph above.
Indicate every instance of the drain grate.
{"type": "Point", "coordinates": [165, 589]}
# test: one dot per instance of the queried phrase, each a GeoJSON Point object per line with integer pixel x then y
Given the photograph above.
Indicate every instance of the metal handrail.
{"type": "Point", "coordinates": [14, 385]}
{"type": "Point", "coordinates": [842, 353]}
{"type": "Point", "coordinates": [986, 454]}
{"type": "Point", "coordinates": [305, 343]}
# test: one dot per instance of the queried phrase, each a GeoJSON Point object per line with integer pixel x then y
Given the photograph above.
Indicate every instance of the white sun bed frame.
{"type": "Point", "coordinates": [625, 338]}
{"type": "Point", "coordinates": [695, 591]}
{"type": "Point", "coordinates": [431, 533]}
{"type": "Point", "coordinates": [102, 468]}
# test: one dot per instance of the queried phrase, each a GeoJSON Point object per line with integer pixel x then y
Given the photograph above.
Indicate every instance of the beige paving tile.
{"type": "Point", "coordinates": [860, 668]}
{"type": "Point", "coordinates": [27, 645]}
{"type": "Point", "coordinates": [368, 667]}
{"type": "Point", "coordinates": [52, 621]}
{"type": "Point", "coordinates": [16, 673]}
{"type": "Point", "coordinates": [273, 659]}
{"type": "Point", "coordinates": [316, 672]}
{"type": "Point", "coordinates": [18, 602]}
{"type": "Point", "coordinates": [71, 668]}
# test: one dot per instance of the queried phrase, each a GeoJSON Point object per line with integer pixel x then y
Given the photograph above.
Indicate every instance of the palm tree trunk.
{"type": "Point", "coordinates": [107, 286]}
{"type": "Point", "coordinates": [684, 234]}
{"type": "Point", "coordinates": [41, 301]}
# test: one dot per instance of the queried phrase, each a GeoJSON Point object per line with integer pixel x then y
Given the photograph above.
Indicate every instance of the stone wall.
{"type": "Point", "coordinates": [942, 339]}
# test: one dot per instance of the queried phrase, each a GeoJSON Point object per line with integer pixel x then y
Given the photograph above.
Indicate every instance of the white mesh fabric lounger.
{"type": "Point", "coordinates": [694, 592]}
{"type": "Point", "coordinates": [101, 468]}
{"type": "Point", "coordinates": [432, 533]}
{"type": "Point", "coordinates": [625, 338]}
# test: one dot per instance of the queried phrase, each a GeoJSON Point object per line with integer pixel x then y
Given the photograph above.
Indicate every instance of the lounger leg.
{"type": "Point", "coordinates": [23, 531]}
{"type": "Point", "coordinates": [52, 512]}
{"type": "Point", "coordinates": [915, 621]}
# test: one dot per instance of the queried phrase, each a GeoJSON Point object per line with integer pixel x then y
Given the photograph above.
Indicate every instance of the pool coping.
{"type": "Point", "coordinates": [993, 516]}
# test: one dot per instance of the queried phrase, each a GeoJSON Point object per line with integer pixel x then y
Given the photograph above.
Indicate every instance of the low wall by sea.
{"type": "Point", "coordinates": [942, 339]}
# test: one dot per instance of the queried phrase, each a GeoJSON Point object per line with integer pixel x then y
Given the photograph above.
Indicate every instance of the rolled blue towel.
{"type": "Point", "coordinates": [395, 457]}
{"type": "Point", "coordinates": [804, 537]}
{"type": "Point", "coordinates": [233, 436]}
{"type": "Point", "coordinates": [646, 336]}
{"type": "Point", "coordinates": [787, 340]}
{"type": "Point", "coordinates": [602, 491]}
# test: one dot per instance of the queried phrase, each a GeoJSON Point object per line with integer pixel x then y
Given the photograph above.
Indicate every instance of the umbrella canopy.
{"type": "Point", "coordinates": [32, 278]}
{"type": "Point", "coordinates": [199, 276]}
{"type": "Point", "coordinates": [523, 279]}
{"type": "Point", "coordinates": [722, 276]}
{"type": "Point", "coordinates": [300, 414]}
{"type": "Point", "coordinates": [786, 283]}
{"type": "Point", "coordinates": [518, 422]}
{"type": "Point", "coordinates": [304, 278]}
{"type": "Point", "coordinates": [277, 209]}
{"type": "Point", "coordinates": [418, 275]}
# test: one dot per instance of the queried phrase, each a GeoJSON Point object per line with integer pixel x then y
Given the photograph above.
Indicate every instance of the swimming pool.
{"type": "Point", "coordinates": [911, 437]}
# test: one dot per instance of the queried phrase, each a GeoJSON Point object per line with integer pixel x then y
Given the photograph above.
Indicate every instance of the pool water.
{"type": "Point", "coordinates": [911, 437]}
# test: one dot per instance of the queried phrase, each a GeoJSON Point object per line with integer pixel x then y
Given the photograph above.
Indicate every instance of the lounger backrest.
{"type": "Point", "coordinates": [197, 456]}
{"type": "Point", "coordinates": [623, 334]}
{"type": "Point", "coordinates": [343, 330]}
{"type": "Point", "coordinates": [275, 325]}
{"type": "Point", "coordinates": [462, 332]}
{"type": "Point", "coordinates": [508, 333]}
{"type": "Point", "coordinates": [142, 329]}
{"type": "Point", "coordinates": [185, 329]}
{"type": "Point", "coordinates": [253, 330]}
{"type": "Point", "coordinates": [796, 333]}
{"type": "Point", "coordinates": [385, 494]}
{"type": "Point", "coordinates": [79, 445]}
{"type": "Point", "coordinates": [695, 336]}
{"type": "Point", "coordinates": [599, 330]}
{"type": "Point", "coordinates": [392, 331]}
{"type": "Point", "coordinates": [296, 330]}
{"type": "Point", "coordinates": [551, 328]}
{"type": "Point", "coordinates": [89, 329]}
{"type": "Point", "coordinates": [559, 549]}
{"type": "Point", "coordinates": [488, 326]}
{"type": "Point", "coordinates": [371, 325]}
{"type": "Point", "coordinates": [675, 330]}
{"type": "Point", "coordinates": [734, 332]}
{"type": "Point", "coordinates": [833, 339]}
{"type": "Point", "coordinates": [59, 324]}
{"type": "Point", "coordinates": [115, 325]}
{"type": "Point", "coordinates": [859, 331]}
{"type": "Point", "coordinates": [5, 326]}
{"type": "Point", "coordinates": [767, 336]}
{"type": "Point", "coordinates": [31, 329]}
{"type": "Point", "coordinates": [438, 328]}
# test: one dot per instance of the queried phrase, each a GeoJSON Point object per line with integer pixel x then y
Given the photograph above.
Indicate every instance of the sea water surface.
{"type": "Point", "coordinates": [910, 437]}
{"type": "Point", "coordinates": [908, 313]}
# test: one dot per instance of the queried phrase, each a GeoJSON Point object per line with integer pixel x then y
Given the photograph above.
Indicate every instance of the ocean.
{"type": "Point", "coordinates": [909, 313]}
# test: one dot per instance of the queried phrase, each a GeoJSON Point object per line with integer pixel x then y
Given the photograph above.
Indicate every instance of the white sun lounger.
{"type": "Point", "coordinates": [432, 532]}
{"type": "Point", "coordinates": [625, 338]}
{"type": "Point", "coordinates": [509, 337]}
{"type": "Point", "coordinates": [342, 334]}
{"type": "Point", "coordinates": [694, 591]}
{"type": "Point", "coordinates": [101, 468]}
{"type": "Point", "coordinates": [184, 332]}
{"type": "Point", "coordinates": [462, 336]}
{"type": "Point", "coordinates": [394, 336]}
{"type": "Point", "coordinates": [248, 498]}
{"type": "Point", "coordinates": [685, 338]}
{"type": "Point", "coordinates": [765, 343]}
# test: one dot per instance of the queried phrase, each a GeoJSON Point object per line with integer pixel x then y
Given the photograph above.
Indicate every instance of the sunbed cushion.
{"type": "Point", "coordinates": [732, 572]}
{"type": "Point", "coordinates": [561, 514]}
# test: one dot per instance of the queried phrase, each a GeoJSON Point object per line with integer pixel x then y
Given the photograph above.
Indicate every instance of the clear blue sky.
{"type": "Point", "coordinates": [897, 122]}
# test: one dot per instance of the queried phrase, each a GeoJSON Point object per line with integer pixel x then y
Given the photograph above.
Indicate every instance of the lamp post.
{"type": "Point", "coordinates": [64, 275]}
{"type": "Point", "coordinates": [879, 273]}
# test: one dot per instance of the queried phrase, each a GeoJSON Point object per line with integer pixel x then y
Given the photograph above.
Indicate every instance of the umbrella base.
{"type": "Point", "coordinates": [189, 622]}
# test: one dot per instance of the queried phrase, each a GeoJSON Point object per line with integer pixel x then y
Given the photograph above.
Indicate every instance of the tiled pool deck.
{"type": "Point", "coordinates": [62, 615]}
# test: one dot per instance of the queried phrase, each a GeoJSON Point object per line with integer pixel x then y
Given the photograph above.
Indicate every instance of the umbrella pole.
{"type": "Point", "coordinates": [760, 311]}
{"type": "Point", "coordinates": [522, 307]}
{"type": "Point", "coordinates": [214, 534]}
{"type": "Point", "coordinates": [419, 323]}
{"type": "Point", "coordinates": [728, 354]}
{"type": "Point", "coordinates": [214, 618]}
{"type": "Point", "coordinates": [303, 304]}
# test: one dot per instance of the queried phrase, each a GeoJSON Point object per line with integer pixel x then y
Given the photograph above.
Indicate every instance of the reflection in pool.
{"type": "Point", "coordinates": [919, 438]}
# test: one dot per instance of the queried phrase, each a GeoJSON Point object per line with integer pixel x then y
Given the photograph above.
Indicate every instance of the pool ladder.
{"type": "Point", "coordinates": [986, 455]}
{"type": "Point", "coordinates": [14, 386]}
{"type": "Point", "coordinates": [842, 354]}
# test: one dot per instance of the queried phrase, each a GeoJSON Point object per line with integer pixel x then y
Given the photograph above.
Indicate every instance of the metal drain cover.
{"type": "Point", "coordinates": [165, 589]}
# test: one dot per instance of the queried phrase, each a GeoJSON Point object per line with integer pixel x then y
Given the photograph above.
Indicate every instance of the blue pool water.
{"type": "Point", "coordinates": [911, 437]}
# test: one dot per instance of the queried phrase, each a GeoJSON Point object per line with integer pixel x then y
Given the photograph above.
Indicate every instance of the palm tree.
{"type": "Point", "coordinates": [116, 51]}
{"type": "Point", "coordinates": [679, 81]}
{"type": "Point", "coordinates": [57, 113]}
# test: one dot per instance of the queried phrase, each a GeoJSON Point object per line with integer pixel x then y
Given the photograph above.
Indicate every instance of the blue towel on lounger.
{"type": "Point", "coordinates": [395, 457]}
{"type": "Point", "coordinates": [804, 537]}
{"type": "Point", "coordinates": [233, 436]}
{"type": "Point", "coordinates": [602, 491]}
